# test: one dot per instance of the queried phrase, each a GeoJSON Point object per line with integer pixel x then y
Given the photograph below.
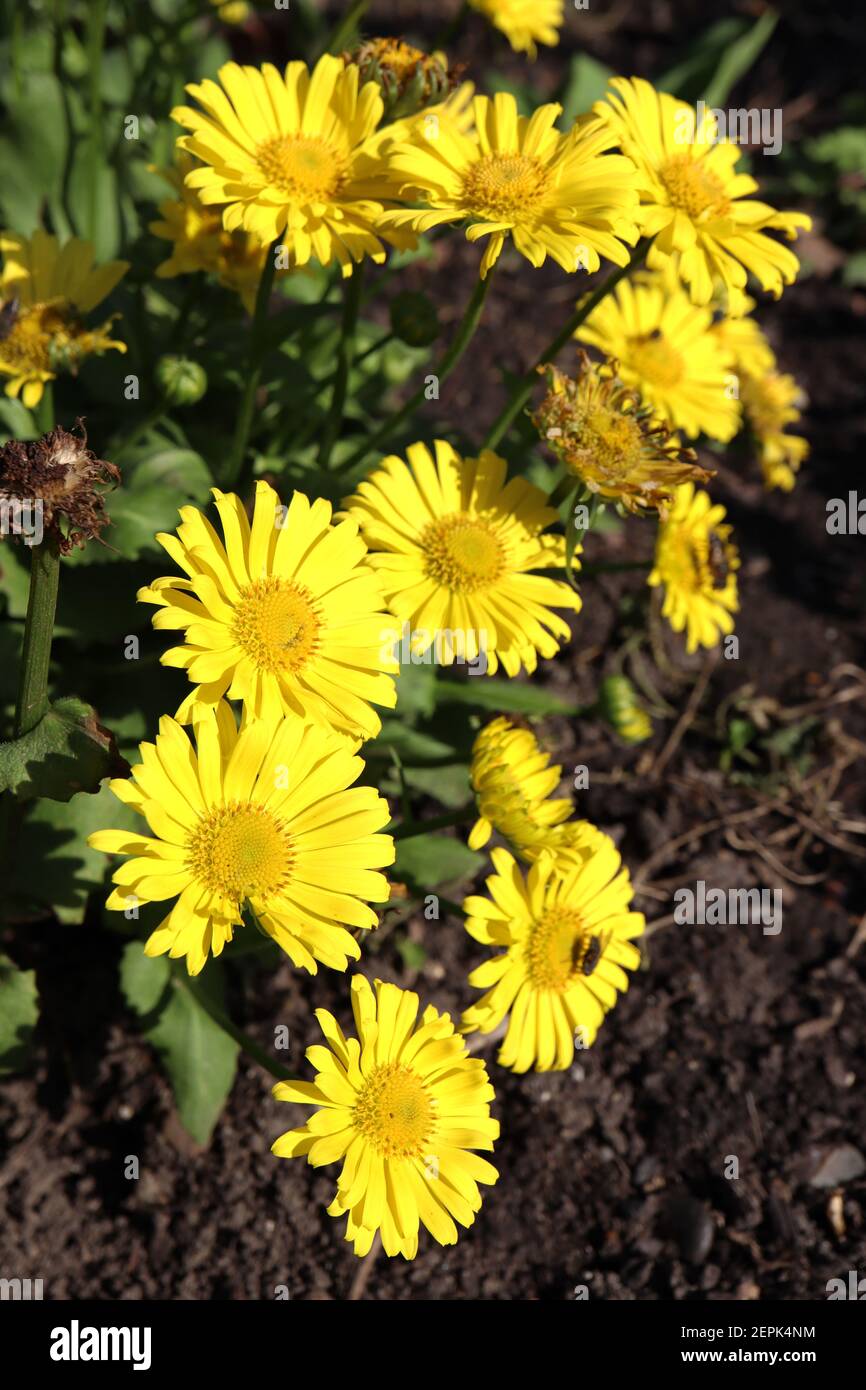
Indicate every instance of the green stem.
{"type": "Point", "coordinates": [380, 343]}
{"type": "Point", "coordinates": [38, 630]}
{"type": "Point", "coordinates": [243, 1040]}
{"type": "Point", "coordinates": [254, 367]}
{"type": "Point", "coordinates": [523, 390]}
{"type": "Point", "coordinates": [442, 370]}
{"type": "Point", "coordinates": [345, 356]}
{"type": "Point", "coordinates": [346, 27]}
{"type": "Point", "coordinates": [409, 829]}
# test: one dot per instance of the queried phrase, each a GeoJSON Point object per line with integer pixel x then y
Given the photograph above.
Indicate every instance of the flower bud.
{"type": "Point", "coordinates": [181, 381]}
{"type": "Point", "coordinates": [619, 705]}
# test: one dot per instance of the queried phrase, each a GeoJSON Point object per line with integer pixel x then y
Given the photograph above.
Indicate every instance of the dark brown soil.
{"type": "Point", "coordinates": [729, 1042]}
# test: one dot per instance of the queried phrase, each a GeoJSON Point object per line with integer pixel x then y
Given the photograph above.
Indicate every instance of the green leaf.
{"type": "Point", "coordinates": [53, 868]}
{"type": "Point", "coordinates": [17, 421]}
{"type": "Point", "coordinates": [94, 199]}
{"type": "Point", "coordinates": [153, 491]}
{"type": "Point", "coordinates": [426, 861]}
{"type": "Point", "coordinates": [450, 785]}
{"type": "Point", "coordinates": [412, 953]}
{"type": "Point", "coordinates": [416, 690]}
{"type": "Point", "coordinates": [586, 83]}
{"type": "Point", "coordinates": [199, 1057]}
{"type": "Point", "coordinates": [413, 746]}
{"type": "Point", "coordinates": [723, 54]}
{"type": "Point", "coordinates": [504, 696]}
{"type": "Point", "coordinates": [67, 752]}
{"type": "Point", "coordinates": [19, 1011]}
{"type": "Point", "coordinates": [32, 149]}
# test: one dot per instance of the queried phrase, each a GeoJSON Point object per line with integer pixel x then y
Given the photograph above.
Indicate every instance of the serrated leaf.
{"type": "Point", "coordinates": [504, 696]}
{"type": "Point", "coordinates": [428, 861]}
{"type": "Point", "coordinates": [67, 752]}
{"type": "Point", "coordinates": [199, 1057]}
{"type": "Point", "coordinates": [19, 1011]}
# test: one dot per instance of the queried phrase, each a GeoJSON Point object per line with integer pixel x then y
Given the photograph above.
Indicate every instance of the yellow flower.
{"type": "Point", "coordinates": [608, 439]}
{"type": "Point", "coordinates": [402, 1106]}
{"type": "Point", "coordinates": [201, 243]}
{"type": "Point", "coordinates": [455, 546]}
{"type": "Point", "coordinates": [45, 290]}
{"type": "Point", "coordinates": [696, 563]}
{"type": "Point", "coordinates": [567, 935]}
{"type": "Point", "coordinates": [555, 195]}
{"type": "Point", "coordinates": [693, 201]}
{"type": "Point", "coordinates": [232, 11]}
{"type": "Point", "coordinates": [524, 23]}
{"type": "Point", "coordinates": [512, 780]}
{"type": "Point", "coordinates": [771, 402]}
{"type": "Point", "coordinates": [289, 156]}
{"type": "Point", "coordinates": [742, 340]}
{"type": "Point", "coordinates": [664, 349]}
{"type": "Point", "coordinates": [267, 817]}
{"type": "Point", "coordinates": [284, 614]}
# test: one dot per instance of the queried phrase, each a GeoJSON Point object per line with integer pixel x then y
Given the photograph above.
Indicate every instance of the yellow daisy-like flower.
{"type": "Point", "coordinates": [665, 351]}
{"type": "Point", "coordinates": [266, 817]}
{"type": "Point", "coordinates": [455, 547]}
{"type": "Point", "coordinates": [403, 1106]}
{"type": "Point", "coordinates": [45, 290]}
{"type": "Point", "coordinates": [611, 441]}
{"type": "Point", "coordinates": [567, 935]}
{"type": "Point", "coordinates": [742, 340]}
{"type": "Point", "coordinates": [284, 614]}
{"type": "Point", "coordinates": [553, 194]}
{"type": "Point", "coordinates": [693, 201]}
{"type": "Point", "coordinates": [201, 243]}
{"type": "Point", "coordinates": [696, 563]}
{"type": "Point", "coordinates": [771, 401]}
{"type": "Point", "coordinates": [288, 155]}
{"type": "Point", "coordinates": [524, 23]}
{"type": "Point", "coordinates": [512, 780]}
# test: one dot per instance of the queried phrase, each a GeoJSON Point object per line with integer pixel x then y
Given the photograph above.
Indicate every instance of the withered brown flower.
{"type": "Point", "coordinates": [60, 478]}
{"type": "Point", "coordinates": [609, 439]}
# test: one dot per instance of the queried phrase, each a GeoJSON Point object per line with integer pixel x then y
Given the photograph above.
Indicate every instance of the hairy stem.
{"type": "Point", "coordinates": [345, 356]}
{"type": "Point", "coordinates": [38, 630]}
{"type": "Point", "coordinates": [254, 367]}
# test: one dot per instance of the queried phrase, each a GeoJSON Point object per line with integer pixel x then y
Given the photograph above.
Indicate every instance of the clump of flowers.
{"type": "Point", "coordinates": [563, 940]}
{"type": "Point", "coordinates": [403, 1106]}
{"type": "Point", "coordinates": [696, 565]}
{"type": "Point", "coordinates": [65, 479]}
{"type": "Point", "coordinates": [46, 291]}
{"type": "Point", "coordinates": [608, 439]}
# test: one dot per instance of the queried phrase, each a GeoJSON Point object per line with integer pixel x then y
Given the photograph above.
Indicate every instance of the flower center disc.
{"type": "Point", "coordinates": [276, 625]}
{"type": "Point", "coordinates": [610, 446]}
{"type": "Point", "coordinates": [557, 945]}
{"type": "Point", "coordinates": [394, 1112]}
{"type": "Point", "coordinates": [463, 553]}
{"type": "Point", "coordinates": [656, 361]}
{"type": "Point", "coordinates": [500, 187]}
{"type": "Point", "coordinates": [240, 851]}
{"type": "Point", "coordinates": [693, 189]}
{"type": "Point", "coordinates": [28, 343]}
{"type": "Point", "coordinates": [303, 167]}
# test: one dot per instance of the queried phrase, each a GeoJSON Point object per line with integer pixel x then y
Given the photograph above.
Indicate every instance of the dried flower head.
{"type": "Point", "coordinates": [610, 440]}
{"type": "Point", "coordinates": [408, 78]}
{"type": "Point", "coordinates": [64, 478]}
